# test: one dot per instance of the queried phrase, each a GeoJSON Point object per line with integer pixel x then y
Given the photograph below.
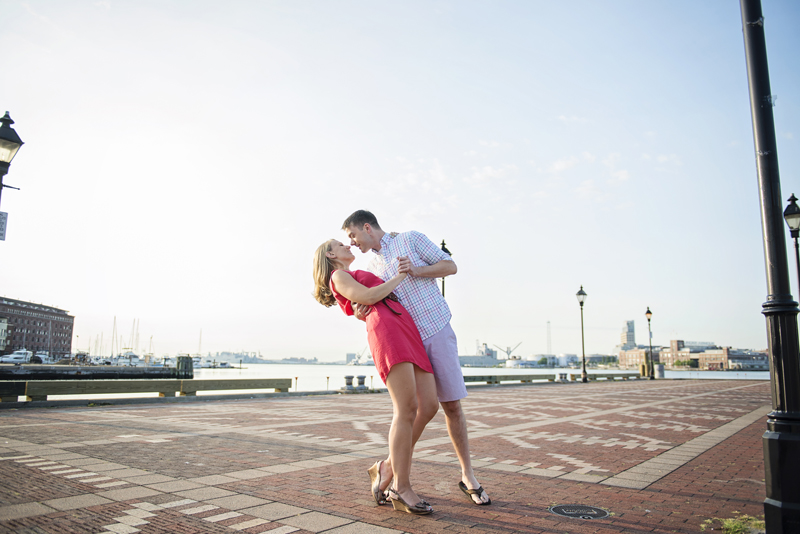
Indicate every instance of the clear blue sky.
{"type": "Point", "coordinates": [184, 159]}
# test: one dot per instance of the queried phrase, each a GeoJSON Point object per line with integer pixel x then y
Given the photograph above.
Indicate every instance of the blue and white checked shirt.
{"type": "Point", "coordinates": [420, 296]}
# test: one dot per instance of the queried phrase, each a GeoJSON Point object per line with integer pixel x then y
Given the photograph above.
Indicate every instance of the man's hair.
{"type": "Point", "coordinates": [359, 219]}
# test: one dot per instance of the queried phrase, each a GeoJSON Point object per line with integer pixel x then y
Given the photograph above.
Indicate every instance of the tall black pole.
{"type": "Point", "coordinates": [797, 258]}
{"type": "Point", "coordinates": [444, 248]}
{"type": "Point", "coordinates": [782, 438]}
{"type": "Point", "coordinates": [584, 376]}
{"type": "Point", "coordinates": [651, 365]}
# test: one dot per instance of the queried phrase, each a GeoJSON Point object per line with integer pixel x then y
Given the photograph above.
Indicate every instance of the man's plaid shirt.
{"type": "Point", "coordinates": [420, 296]}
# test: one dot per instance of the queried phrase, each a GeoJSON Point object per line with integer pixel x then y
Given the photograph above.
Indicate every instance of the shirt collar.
{"type": "Point", "coordinates": [385, 240]}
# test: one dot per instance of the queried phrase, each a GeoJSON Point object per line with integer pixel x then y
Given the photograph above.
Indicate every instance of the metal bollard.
{"type": "Point", "coordinates": [348, 381]}
{"type": "Point", "coordinates": [361, 379]}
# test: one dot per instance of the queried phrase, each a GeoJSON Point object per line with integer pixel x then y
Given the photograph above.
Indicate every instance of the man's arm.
{"type": "Point", "coordinates": [437, 270]}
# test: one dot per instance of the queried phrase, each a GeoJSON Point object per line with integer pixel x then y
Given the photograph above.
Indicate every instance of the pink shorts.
{"type": "Point", "coordinates": [442, 349]}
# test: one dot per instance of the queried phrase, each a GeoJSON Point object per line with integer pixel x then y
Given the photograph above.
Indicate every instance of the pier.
{"type": "Point", "coordinates": [660, 456]}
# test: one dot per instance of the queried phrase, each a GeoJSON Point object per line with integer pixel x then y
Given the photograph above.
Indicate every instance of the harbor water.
{"type": "Point", "coordinates": [323, 377]}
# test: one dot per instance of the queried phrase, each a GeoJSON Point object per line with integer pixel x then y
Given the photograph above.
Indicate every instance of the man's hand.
{"type": "Point", "coordinates": [404, 265]}
{"type": "Point", "coordinates": [360, 311]}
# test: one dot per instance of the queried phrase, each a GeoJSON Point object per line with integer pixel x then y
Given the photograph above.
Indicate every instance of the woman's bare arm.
{"type": "Point", "coordinates": [349, 288]}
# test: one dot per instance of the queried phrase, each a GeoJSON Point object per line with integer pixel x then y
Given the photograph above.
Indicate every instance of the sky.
{"type": "Point", "coordinates": [183, 160]}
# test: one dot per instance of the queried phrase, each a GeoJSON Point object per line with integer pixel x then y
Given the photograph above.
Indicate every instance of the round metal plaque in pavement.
{"type": "Point", "coordinates": [578, 511]}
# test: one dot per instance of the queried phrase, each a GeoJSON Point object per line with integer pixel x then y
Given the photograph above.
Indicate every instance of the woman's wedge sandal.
{"type": "Point", "coordinates": [470, 492]}
{"type": "Point", "coordinates": [399, 504]}
{"type": "Point", "coordinates": [375, 481]}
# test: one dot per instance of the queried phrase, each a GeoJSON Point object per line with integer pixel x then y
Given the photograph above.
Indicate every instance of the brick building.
{"type": "Point", "coordinates": [36, 327]}
{"type": "Point", "coordinates": [632, 358]}
{"type": "Point", "coordinates": [708, 356]}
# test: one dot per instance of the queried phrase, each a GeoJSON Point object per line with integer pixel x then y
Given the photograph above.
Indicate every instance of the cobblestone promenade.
{"type": "Point", "coordinates": [660, 456]}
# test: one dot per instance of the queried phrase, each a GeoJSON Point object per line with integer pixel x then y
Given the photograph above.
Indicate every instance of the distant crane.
{"type": "Point", "coordinates": [509, 350]}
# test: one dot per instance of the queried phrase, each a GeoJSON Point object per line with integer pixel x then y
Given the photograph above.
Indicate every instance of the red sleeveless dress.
{"type": "Point", "coordinates": [392, 335]}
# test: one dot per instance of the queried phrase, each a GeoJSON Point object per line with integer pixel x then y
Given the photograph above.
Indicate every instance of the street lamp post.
{"type": "Point", "coordinates": [792, 216]}
{"type": "Point", "coordinates": [782, 438]}
{"type": "Point", "coordinates": [651, 367]}
{"type": "Point", "coordinates": [9, 144]}
{"type": "Point", "coordinates": [581, 299]}
{"type": "Point", "coordinates": [444, 249]}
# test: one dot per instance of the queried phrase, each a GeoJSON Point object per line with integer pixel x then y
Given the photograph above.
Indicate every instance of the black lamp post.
{"type": "Point", "coordinates": [782, 438]}
{"type": "Point", "coordinates": [9, 144]}
{"type": "Point", "coordinates": [581, 299]}
{"type": "Point", "coordinates": [444, 248]}
{"type": "Point", "coordinates": [651, 365]}
{"type": "Point", "coordinates": [792, 216]}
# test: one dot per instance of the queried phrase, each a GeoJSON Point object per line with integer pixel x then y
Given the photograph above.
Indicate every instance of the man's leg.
{"type": "Point", "coordinates": [457, 428]}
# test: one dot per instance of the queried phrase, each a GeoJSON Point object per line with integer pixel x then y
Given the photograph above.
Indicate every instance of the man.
{"type": "Point", "coordinates": [415, 254]}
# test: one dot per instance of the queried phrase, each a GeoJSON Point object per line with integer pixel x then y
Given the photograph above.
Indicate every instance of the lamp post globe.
{"type": "Point", "coordinates": [651, 364]}
{"type": "Point", "coordinates": [581, 295]}
{"type": "Point", "coordinates": [792, 216]}
{"type": "Point", "coordinates": [9, 144]}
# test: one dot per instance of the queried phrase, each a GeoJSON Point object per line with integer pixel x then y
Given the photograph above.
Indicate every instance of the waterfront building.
{"type": "Point", "coordinates": [350, 356]}
{"type": "Point", "coordinates": [683, 351]}
{"type": "Point", "coordinates": [36, 327]}
{"type": "Point", "coordinates": [565, 360]}
{"type": "Point", "coordinates": [708, 356]}
{"type": "Point", "coordinates": [628, 337]}
{"type": "Point", "coordinates": [633, 358]}
{"type": "Point", "coordinates": [485, 357]}
{"type": "Point", "coordinates": [3, 334]}
{"type": "Point", "coordinates": [547, 360]}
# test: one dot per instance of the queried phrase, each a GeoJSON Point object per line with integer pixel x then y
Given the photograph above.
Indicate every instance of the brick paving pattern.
{"type": "Point", "coordinates": [660, 456]}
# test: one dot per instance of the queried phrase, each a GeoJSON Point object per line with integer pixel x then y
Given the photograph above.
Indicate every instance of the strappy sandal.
{"type": "Point", "coordinates": [399, 504]}
{"type": "Point", "coordinates": [470, 492]}
{"type": "Point", "coordinates": [375, 481]}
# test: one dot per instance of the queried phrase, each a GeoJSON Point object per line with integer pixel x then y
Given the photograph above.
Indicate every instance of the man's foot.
{"type": "Point", "coordinates": [474, 491]}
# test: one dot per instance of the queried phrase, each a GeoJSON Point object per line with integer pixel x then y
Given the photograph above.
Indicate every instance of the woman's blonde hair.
{"type": "Point", "coordinates": [323, 269]}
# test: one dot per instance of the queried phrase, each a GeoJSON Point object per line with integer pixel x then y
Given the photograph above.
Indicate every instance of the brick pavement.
{"type": "Point", "coordinates": [659, 456]}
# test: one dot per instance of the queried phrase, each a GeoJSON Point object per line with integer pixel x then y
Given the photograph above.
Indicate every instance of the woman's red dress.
{"type": "Point", "coordinates": [392, 337]}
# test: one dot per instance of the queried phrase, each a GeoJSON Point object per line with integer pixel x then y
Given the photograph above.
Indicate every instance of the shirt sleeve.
{"type": "Point", "coordinates": [427, 251]}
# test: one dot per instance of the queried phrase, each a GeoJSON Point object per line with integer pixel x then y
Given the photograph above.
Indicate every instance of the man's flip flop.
{"type": "Point", "coordinates": [470, 492]}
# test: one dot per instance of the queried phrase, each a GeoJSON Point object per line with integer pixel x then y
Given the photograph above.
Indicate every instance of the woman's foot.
{"type": "Point", "coordinates": [375, 483]}
{"type": "Point", "coordinates": [386, 474]}
{"type": "Point", "coordinates": [473, 490]}
{"type": "Point", "coordinates": [402, 501]}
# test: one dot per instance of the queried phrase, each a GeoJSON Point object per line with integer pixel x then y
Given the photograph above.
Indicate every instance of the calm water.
{"type": "Point", "coordinates": [323, 377]}
{"type": "Point", "coordinates": [331, 377]}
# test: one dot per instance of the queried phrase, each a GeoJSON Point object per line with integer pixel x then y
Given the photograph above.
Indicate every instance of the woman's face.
{"type": "Point", "coordinates": [341, 252]}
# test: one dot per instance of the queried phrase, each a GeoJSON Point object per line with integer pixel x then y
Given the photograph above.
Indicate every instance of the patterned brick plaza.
{"type": "Point", "coordinates": [660, 456]}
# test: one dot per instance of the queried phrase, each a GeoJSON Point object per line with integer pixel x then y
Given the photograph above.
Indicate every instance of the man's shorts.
{"type": "Point", "coordinates": [442, 349]}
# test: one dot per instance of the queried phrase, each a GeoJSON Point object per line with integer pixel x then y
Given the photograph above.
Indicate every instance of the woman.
{"type": "Point", "coordinates": [399, 357]}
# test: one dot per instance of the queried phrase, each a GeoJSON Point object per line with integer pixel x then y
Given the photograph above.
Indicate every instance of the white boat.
{"type": "Point", "coordinates": [129, 358]}
{"type": "Point", "coordinates": [18, 356]}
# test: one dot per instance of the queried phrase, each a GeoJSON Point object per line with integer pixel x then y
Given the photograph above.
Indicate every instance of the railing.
{"type": "Point", "coordinates": [38, 390]}
{"type": "Point", "coordinates": [496, 379]}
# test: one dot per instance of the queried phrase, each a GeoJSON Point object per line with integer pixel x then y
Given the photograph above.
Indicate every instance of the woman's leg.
{"type": "Point", "coordinates": [401, 382]}
{"type": "Point", "coordinates": [427, 406]}
{"type": "Point", "coordinates": [427, 403]}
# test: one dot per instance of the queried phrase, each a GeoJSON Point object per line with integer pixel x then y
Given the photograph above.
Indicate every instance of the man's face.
{"type": "Point", "coordinates": [363, 238]}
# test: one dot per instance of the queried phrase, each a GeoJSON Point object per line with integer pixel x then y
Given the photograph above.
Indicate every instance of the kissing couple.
{"type": "Point", "coordinates": [412, 343]}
